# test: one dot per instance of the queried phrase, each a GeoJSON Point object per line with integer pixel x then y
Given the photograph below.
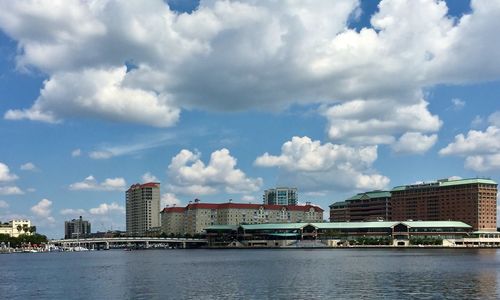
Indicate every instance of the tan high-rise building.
{"type": "Point", "coordinates": [142, 208]}
{"type": "Point", "coordinates": [472, 201]}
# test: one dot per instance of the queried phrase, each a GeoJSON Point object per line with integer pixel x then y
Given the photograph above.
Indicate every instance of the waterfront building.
{"type": "Point", "coordinates": [142, 208]}
{"type": "Point", "coordinates": [197, 216]}
{"type": "Point", "coordinates": [281, 196]}
{"type": "Point", "coordinates": [77, 228]}
{"type": "Point", "coordinates": [473, 201]}
{"type": "Point", "coordinates": [336, 233]}
{"type": "Point", "coordinates": [369, 206]}
{"type": "Point", "coordinates": [15, 228]}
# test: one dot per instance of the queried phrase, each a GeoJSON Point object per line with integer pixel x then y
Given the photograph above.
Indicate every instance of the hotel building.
{"type": "Point", "coordinates": [142, 208]}
{"type": "Point", "coordinates": [369, 206]}
{"type": "Point", "coordinates": [281, 196]}
{"type": "Point", "coordinates": [197, 216]}
{"type": "Point", "coordinates": [472, 201]}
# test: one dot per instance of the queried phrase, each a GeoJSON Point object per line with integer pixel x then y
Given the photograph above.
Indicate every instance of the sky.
{"type": "Point", "coordinates": [221, 100]}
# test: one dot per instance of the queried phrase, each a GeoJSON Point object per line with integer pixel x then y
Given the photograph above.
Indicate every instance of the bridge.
{"type": "Point", "coordinates": [129, 242]}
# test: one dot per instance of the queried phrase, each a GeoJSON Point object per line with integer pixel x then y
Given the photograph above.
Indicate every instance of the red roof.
{"type": "Point", "coordinates": [228, 205]}
{"type": "Point", "coordinates": [147, 184]}
{"type": "Point", "coordinates": [174, 209]}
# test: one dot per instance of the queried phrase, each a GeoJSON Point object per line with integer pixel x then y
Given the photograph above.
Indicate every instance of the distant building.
{"type": "Point", "coordinates": [77, 228]}
{"type": "Point", "coordinates": [195, 217]}
{"type": "Point", "coordinates": [15, 228]}
{"type": "Point", "coordinates": [369, 206]}
{"type": "Point", "coordinates": [473, 201]}
{"type": "Point", "coordinates": [281, 196]}
{"type": "Point", "coordinates": [142, 208]}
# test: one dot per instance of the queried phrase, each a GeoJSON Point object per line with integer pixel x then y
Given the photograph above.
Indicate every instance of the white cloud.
{"type": "Point", "coordinates": [4, 204]}
{"type": "Point", "coordinates": [187, 174]}
{"type": "Point", "coordinates": [311, 166]}
{"type": "Point", "coordinates": [5, 174]}
{"type": "Point", "coordinates": [101, 93]}
{"type": "Point", "coordinates": [248, 198]}
{"type": "Point", "coordinates": [133, 147]}
{"type": "Point", "coordinates": [29, 166]}
{"type": "Point", "coordinates": [478, 121]}
{"type": "Point", "coordinates": [91, 184]}
{"type": "Point", "coordinates": [458, 104]}
{"type": "Point", "coordinates": [266, 53]}
{"type": "Point", "coordinates": [378, 121]}
{"type": "Point", "coordinates": [148, 177]}
{"type": "Point", "coordinates": [73, 212]}
{"type": "Point", "coordinates": [414, 142]}
{"type": "Point", "coordinates": [76, 153]}
{"type": "Point", "coordinates": [106, 209]}
{"type": "Point", "coordinates": [42, 209]}
{"type": "Point", "coordinates": [10, 190]}
{"type": "Point", "coordinates": [494, 119]}
{"type": "Point", "coordinates": [481, 149]}
{"type": "Point", "coordinates": [169, 199]}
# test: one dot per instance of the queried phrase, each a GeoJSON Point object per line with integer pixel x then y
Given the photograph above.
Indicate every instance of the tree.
{"type": "Point", "coordinates": [19, 228]}
{"type": "Point", "coordinates": [25, 228]}
{"type": "Point", "coordinates": [32, 229]}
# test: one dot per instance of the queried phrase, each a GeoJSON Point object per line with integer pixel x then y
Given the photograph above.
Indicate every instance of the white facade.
{"type": "Point", "coordinates": [16, 227]}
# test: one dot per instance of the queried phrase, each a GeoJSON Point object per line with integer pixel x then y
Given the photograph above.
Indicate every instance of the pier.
{"type": "Point", "coordinates": [137, 242]}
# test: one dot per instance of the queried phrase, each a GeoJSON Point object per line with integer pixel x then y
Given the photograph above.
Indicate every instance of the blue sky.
{"type": "Point", "coordinates": [221, 100]}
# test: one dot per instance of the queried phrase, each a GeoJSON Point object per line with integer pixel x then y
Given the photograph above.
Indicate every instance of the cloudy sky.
{"type": "Point", "coordinates": [220, 100]}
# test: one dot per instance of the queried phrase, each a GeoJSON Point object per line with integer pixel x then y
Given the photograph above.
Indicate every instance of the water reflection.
{"type": "Point", "coordinates": [254, 274]}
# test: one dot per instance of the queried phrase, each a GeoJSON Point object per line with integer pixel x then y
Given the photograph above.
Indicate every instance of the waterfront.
{"type": "Point", "coordinates": [253, 274]}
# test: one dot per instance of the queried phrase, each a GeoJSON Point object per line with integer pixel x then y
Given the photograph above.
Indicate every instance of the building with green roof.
{"type": "Point", "coordinates": [471, 200]}
{"type": "Point", "coordinates": [381, 232]}
{"type": "Point", "coordinates": [368, 206]}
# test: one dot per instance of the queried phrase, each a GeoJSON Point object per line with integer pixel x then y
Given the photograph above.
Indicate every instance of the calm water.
{"type": "Point", "coordinates": [253, 274]}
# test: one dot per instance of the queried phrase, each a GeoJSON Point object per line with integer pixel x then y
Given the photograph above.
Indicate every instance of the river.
{"type": "Point", "coordinates": [253, 274]}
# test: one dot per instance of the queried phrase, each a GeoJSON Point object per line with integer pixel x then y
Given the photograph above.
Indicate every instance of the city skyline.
{"type": "Point", "coordinates": [222, 100]}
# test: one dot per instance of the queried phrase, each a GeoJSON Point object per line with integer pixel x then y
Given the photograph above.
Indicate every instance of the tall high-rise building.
{"type": "Point", "coordinates": [142, 208]}
{"type": "Point", "coordinates": [281, 196]}
{"type": "Point", "coordinates": [76, 228]}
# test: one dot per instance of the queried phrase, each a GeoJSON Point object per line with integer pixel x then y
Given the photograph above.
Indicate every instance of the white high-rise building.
{"type": "Point", "coordinates": [281, 196]}
{"type": "Point", "coordinates": [142, 208]}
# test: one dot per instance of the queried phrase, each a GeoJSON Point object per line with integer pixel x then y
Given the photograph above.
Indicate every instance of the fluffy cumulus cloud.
{"type": "Point", "coordinates": [105, 209]}
{"type": "Point", "coordinates": [414, 142]}
{"type": "Point", "coordinates": [5, 174]}
{"type": "Point", "coordinates": [481, 149]}
{"type": "Point", "coordinates": [188, 174]}
{"type": "Point", "coordinates": [169, 199]}
{"type": "Point", "coordinates": [91, 184]}
{"type": "Point", "coordinates": [148, 177]}
{"type": "Point", "coordinates": [43, 210]}
{"type": "Point", "coordinates": [313, 166]}
{"type": "Point", "coordinates": [142, 62]}
{"type": "Point", "coordinates": [11, 190]}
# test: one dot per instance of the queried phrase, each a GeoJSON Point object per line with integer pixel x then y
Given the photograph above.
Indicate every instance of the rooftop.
{"type": "Point", "coordinates": [445, 182]}
{"type": "Point", "coordinates": [371, 195]}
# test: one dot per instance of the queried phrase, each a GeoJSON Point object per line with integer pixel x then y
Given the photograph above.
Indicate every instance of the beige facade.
{"type": "Point", "coordinates": [142, 208]}
{"type": "Point", "coordinates": [195, 217]}
{"type": "Point", "coordinates": [16, 227]}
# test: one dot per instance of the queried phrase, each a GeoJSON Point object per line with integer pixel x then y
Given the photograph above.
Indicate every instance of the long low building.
{"type": "Point", "coordinates": [336, 233]}
{"type": "Point", "coordinates": [197, 216]}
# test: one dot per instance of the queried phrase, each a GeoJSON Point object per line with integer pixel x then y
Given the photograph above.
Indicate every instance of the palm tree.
{"type": "Point", "coordinates": [25, 228]}
{"type": "Point", "coordinates": [19, 228]}
{"type": "Point", "coordinates": [32, 229]}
